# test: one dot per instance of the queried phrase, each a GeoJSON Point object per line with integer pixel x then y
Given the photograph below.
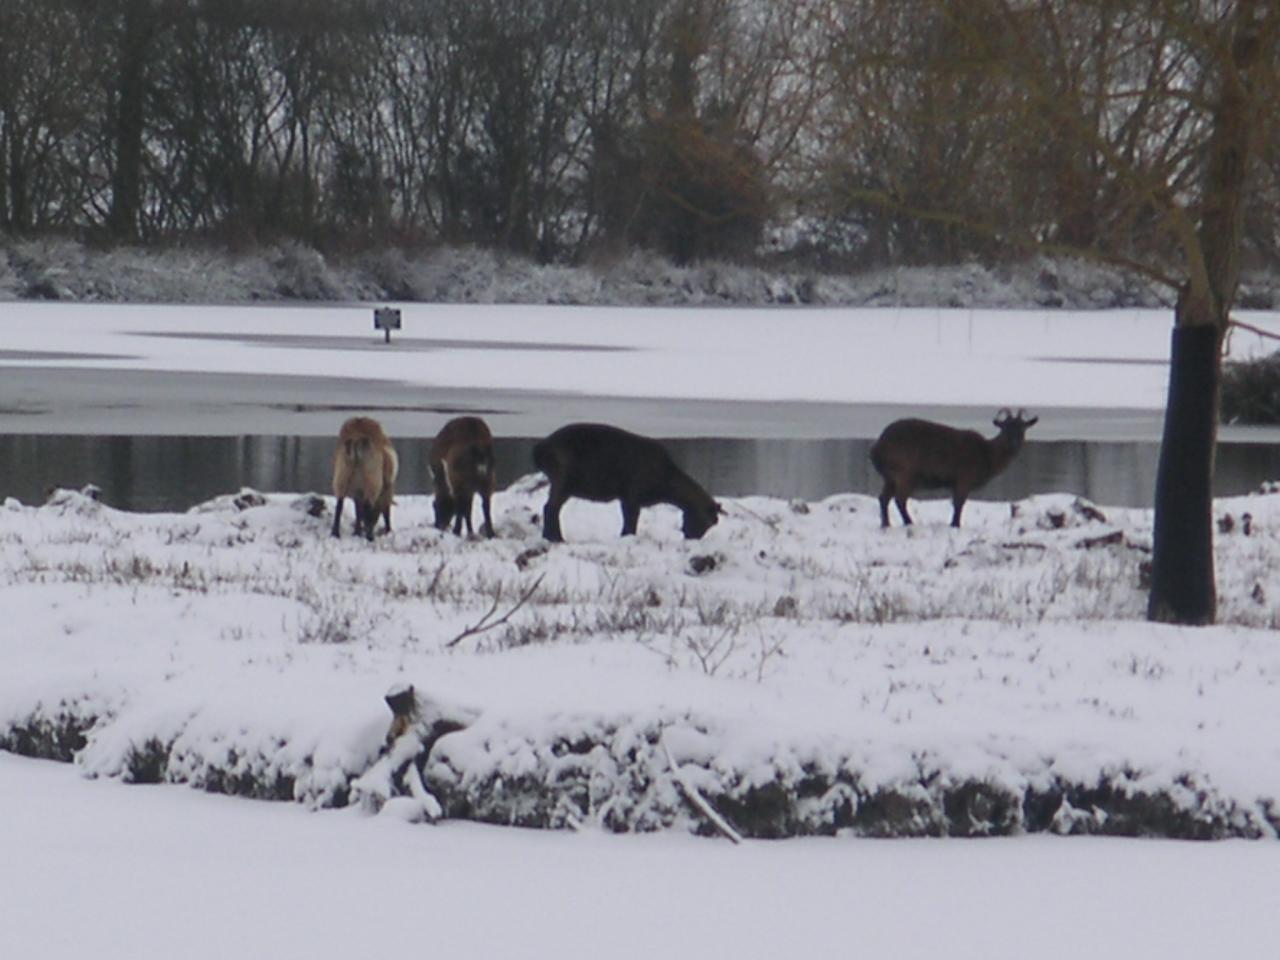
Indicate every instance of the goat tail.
{"type": "Point", "coordinates": [542, 456]}
{"type": "Point", "coordinates": [877, 457]}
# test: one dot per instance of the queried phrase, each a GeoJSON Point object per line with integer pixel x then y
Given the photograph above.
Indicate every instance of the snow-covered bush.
{"type": "Point", "coordinates": [52, 268]}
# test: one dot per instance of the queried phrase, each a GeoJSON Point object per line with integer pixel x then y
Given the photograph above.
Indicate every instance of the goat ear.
{"type": "Point", "coordinates": [1032, 422]}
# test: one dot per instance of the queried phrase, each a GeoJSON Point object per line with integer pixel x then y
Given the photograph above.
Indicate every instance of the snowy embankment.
{"type": "Point", "coordinates": [57, 269]}
{"type": "Point", "coordinates": [805, 671]}
{"type": "Point", "coordinates": [62, 269]}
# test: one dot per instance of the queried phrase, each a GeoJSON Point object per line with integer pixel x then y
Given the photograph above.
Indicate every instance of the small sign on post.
{"type": "Point", "coordinates": [386, 319]}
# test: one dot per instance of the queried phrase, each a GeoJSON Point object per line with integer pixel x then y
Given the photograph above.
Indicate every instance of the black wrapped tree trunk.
{"type": "Point", "coordinates": [1182, 578]}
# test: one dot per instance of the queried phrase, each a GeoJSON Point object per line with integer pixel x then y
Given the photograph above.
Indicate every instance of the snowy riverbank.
{"type": "Point", "coordinates": [810, 672]}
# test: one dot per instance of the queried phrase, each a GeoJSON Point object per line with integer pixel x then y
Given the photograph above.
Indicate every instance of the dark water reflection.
{"type": "Point", "coordinates": [174, 473]}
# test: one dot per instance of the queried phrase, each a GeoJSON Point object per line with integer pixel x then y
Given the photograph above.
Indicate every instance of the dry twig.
{"type": "Point", "coordinates": [487, 622]}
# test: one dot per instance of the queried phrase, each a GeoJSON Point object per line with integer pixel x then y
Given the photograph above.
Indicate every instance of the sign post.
{"type": "Point", "coordinates": [386, 319]}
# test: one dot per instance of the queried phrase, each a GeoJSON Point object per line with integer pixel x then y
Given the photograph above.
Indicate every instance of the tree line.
{"type": "Point", "coordinates": [537, 126]}
{"type": "Point", "coordinates": [890, 131]}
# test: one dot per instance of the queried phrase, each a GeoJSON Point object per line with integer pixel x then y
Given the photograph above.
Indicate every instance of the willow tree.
{"type": "Point", "coordinates": [1122, 131]}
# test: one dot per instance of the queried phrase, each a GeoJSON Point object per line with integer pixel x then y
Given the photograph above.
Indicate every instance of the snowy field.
{"type": "Point", "coordinates": [802, 669]}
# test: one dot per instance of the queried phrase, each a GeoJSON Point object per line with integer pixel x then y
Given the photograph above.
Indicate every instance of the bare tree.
{"type": "Point", "coordinates": [42, 114]}
{"type": "Point", "coordinates": [723, 93]}
{"type": "Point", "coordinates": [1144, 118]}
{"type": "Point", "coordinates": [1238, 54]}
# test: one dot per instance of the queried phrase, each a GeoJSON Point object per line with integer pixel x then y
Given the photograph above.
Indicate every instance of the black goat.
{"type": "Point", "coordinates": [602, 463]}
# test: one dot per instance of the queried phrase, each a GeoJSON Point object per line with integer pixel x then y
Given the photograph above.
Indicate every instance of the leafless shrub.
{"type": "Point", "coordinates": [333, 617]}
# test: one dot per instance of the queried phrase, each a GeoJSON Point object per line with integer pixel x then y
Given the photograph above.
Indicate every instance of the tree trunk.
{"type": "Point", "coordinates": [1182, 574]}
{"type": "Point", "coordinates": [1182, 577]}
{"type": "Point", "coordinates": [136, 28]}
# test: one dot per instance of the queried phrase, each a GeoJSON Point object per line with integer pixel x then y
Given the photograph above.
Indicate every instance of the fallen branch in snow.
{"type": "Point", "coordinates": [487, 623]}
{"type": "Point", "coordinates": [431, 808]}
{"type": "Point", "coordinates": [697, 799]}
{"type": "Point", "coordinates": [1105, 540]}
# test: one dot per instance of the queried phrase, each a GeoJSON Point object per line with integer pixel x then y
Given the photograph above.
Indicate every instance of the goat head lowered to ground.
{"type": "Point", "coordinates": [602, 463]}
{"type": "Point", "coordinates": [462, 467]}
{"type": "Point", "coordinates": [364, 469]}
{"type": "Point", "coordinates": [916, 454]}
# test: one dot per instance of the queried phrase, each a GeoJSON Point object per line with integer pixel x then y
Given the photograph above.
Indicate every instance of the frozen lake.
{"type": "Point", "coordinates": [163, 407]}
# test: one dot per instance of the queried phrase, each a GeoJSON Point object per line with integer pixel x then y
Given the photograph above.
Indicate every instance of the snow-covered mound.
{"type": "Point", "coordinates": [799, 669]}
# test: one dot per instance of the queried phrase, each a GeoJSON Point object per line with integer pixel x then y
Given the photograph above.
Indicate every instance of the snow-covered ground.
{"type": "Point", "coordinates": [801, 668]}
{"type": "Point", "coordinates": [238, 647]}
{"type": "Point", "coordinates": [129, 873]}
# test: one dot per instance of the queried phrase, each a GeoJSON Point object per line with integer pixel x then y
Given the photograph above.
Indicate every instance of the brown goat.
{"type": "Point", "coordinates": [461, 467]}
{"type": "Point", "coordinates": [919, 454]}
{"type": "Point", "coordinates": [602, 463]}
{"type": "Point", "coordinates": [364, 468]}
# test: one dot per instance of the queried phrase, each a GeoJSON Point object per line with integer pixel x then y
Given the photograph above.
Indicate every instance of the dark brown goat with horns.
{"type": "Point", "coordinates": [921, 455]}
{"type": "Point", "coordinates": [461, 468]}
